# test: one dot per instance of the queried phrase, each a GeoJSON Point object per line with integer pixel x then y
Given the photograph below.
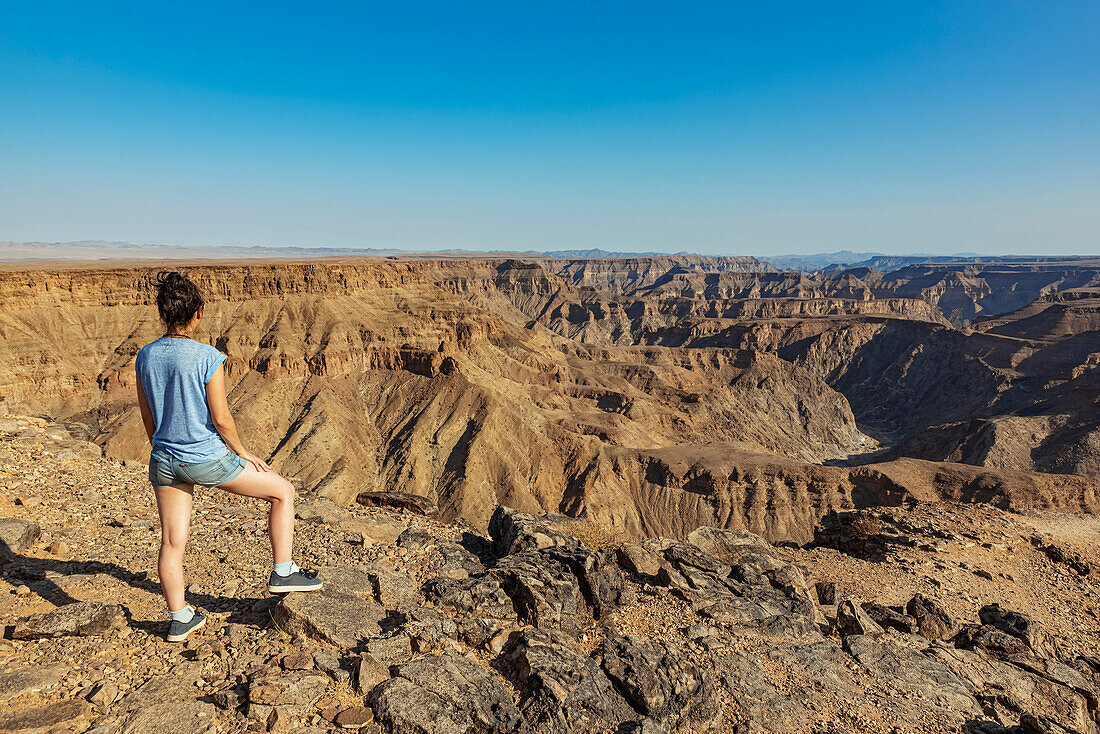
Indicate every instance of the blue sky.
{"type": "Point", "coordinates": [725, 127]}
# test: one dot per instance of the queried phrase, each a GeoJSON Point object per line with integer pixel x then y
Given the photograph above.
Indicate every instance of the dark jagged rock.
{"type": "Point", "coordinates": [1063, 555]}
{"type": "Point", "coordinates": [481, 596]}
{"type": "Point", "coordinates": [563, 690]}
{"type": "Point", "coordinates": [852, 620]}
{"type": "Point", "coordinates": [544, 592]}
{"type": "Point", "coordinates": [826, 592]}
{"type": "Point", "coordinates": [888, 618]}
{"type": "Point", "coordinates": [416, 539]}
{"type": "Point", "coordinates": [683, 556]}
{"type": "Point", "coordinates": [467, 687]}
{"type": "Point", "coordinates": [1017, 625]}
{"type": "Point", "coordinates": [989, 638]}
{"type": "Point", "coordinates": [601, 583]}
{"type": "Point", "coordinates": [399, 501]}
{"type": "Point", "coordinates": [455, 557]}
{"type": "Point", "coordinates": [661, 681]}
{"type": "Point", "coordinates": [933, 621]}
{"type": "Point", "coordinates": [513, 531]}
{"type": "Point", "coordinates": [78, 619]}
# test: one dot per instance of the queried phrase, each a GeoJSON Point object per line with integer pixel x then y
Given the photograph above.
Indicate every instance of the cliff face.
{"type": "Point", "coordinates": [486, 382]}
{"type": "Point", "coordinates": [368, 375]}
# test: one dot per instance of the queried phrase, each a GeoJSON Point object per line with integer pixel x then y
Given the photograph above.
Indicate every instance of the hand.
{"type": "Point", "coordinates": [256, 461]}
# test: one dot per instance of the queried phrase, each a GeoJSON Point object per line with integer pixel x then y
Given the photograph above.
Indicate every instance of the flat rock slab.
{"type": "Point", "coordinates": [322, 511]}
{"type": "Point", "coordinates": [398, 501]}
{"type": "Point", "coordinates": [332, 616]}
{"type": "Point", "coordinates": [405, 708]}
{"type": "Point", "coordinates": [15, 683]}
{"type": "Point", "coordinates": [181, 717]}
{"type": "Point", "coordinates": [16, 535]}
{"type": "Point", "coordinates": [79, 619]}
{"type": "Point", "coordinates": [918, 677]}
{"type": "Point", "coordinates": [69, 715]}
{"type": "Point", "coordinates": [469, 687]}
{"type": "Point", "coordinates": [378, 532]}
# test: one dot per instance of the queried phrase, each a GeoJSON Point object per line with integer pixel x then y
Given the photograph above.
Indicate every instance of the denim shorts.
{"type": "Point", "coordinates": [165, 470]}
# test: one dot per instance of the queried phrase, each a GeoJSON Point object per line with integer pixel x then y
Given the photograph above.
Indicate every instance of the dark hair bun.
{"type": "Point", "coordinates": [177, 299]}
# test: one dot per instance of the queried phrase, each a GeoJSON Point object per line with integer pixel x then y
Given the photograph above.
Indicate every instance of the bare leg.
{"type": "Point", "coordinates": [174, 507]}
{"type": "Point", "coordinates": [272, 488]}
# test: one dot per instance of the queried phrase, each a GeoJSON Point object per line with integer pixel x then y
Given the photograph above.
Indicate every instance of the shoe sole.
{"type": "Point", "coordinates": [285, 589]}
{"type": "Point", "coordinates": [185, 635]}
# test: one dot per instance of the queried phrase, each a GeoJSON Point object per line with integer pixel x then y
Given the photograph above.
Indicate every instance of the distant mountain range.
{"type": "Point", "coordinates": [82, 250]}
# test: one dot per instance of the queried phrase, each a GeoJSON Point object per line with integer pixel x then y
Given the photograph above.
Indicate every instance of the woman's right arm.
{"type": "Point", "coordinates": [146, 413]}
{"type": "Point", "coordinates": [223, 420]}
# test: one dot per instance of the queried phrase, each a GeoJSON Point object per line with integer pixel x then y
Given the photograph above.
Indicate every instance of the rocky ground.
{"type": "Point", "coordinates": [923, 618]}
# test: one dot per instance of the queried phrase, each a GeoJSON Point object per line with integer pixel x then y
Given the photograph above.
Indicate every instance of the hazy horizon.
{"type": "Point", "coordinates": [701, 127]}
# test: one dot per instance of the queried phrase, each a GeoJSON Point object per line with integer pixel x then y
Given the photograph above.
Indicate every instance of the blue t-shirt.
{"type": "Point", "coordinates": [174, 373]}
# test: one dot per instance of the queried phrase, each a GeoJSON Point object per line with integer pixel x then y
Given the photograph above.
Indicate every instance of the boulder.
{"type": "Point", "coordinates": [415, 539]}
{"type": "Point", "coordinates": [369, 672]}
{"type": "Point", "coordinates": [888, 618]}
{"type": "Point", "coordinates": [661, 681]}
{"type": "Point", "coordinates": [1017, 625]}
{"type": "Point", "coordinates": [1055, 692]}
{"type": "Point", "coordinates": [637, 560]}
{"type": "Point", "coordinates": [332, 616]}
{"type": "Point", "coordinates": [728, 546]}
{"type": "Point", "coordinates": [166, 704]}
{"type": "Point", "coordinates": [601, 582]}
{"type": "Point", "coordinates": [826, 592]}
{"type": "Point", "coordinates": [759, 689]}
{"type": "Point", "coordinates": [181, 717]}
{"type": "Point", "coordinates": [684, 556]}
{"type": "Point", "coordinates": [16, 535]}
{"type": "Point", "coordinates": [933, 621]}
{"type": "Point", "coordinates": [852, 620]}
{"type": "Point", "coordinates": [457, 558]}
{"type": "Point", "coordinates": [391, 650]}
{"type": "Point", "coordinates": [564, 689]}
{"type": "Point", "coordinates": [78, 619]}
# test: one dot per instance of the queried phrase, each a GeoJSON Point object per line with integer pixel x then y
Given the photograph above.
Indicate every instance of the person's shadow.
{"type": "Point", "coordinates": [40, 575]}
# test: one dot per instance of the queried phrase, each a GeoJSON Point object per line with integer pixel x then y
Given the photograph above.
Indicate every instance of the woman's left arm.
{"type": "Point", "coordinates": [146, 413]}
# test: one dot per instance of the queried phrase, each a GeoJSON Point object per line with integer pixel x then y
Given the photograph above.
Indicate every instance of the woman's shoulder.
{"type": "Point", "coordinates": [143, 353]}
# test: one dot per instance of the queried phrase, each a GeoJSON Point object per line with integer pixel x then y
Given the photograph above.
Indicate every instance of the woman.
{"type": "Point", "coordinates": [181, 393]}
